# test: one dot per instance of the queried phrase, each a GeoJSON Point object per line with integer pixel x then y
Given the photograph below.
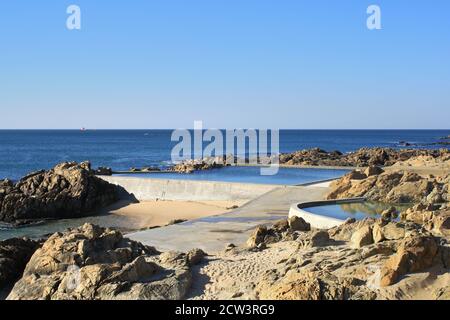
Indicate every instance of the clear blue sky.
{"type": "Point", "coordinates": [231, 63]}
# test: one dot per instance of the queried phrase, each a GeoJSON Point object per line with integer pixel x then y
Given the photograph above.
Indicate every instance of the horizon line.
{"type": "Point", "coordinates": [264, 128]}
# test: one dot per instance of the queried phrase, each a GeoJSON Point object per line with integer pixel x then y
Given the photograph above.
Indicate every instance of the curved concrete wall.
{"type": "Point", "coordinates": [165, 189]}
{"type": "Point", "coordinates": [316, 220]}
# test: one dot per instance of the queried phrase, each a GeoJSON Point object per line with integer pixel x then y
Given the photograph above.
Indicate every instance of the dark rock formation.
{"type": "Point", "coordinates": [14, 255]}
{"type": "Point", "coordinates": [103, 171]}
{"type": "Point", "coordinates": [68, 190]}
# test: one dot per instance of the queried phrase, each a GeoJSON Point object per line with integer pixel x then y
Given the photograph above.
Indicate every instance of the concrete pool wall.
{"type": "Point", "coordinates": [316, 220]}
{"type": "Point", "coordinates": [185, 190]}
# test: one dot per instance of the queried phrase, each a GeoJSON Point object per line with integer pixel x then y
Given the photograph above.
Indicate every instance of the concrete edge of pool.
{"type": "Point", "coordinates": [316, 220]}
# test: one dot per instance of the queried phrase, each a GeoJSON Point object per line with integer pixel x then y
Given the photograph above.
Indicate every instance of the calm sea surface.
{"type": "Point", "coordinates": [24, 151]}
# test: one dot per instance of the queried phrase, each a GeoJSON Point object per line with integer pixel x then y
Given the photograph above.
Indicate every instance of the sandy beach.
{"type": "Point", "coordinates": [150, 214]}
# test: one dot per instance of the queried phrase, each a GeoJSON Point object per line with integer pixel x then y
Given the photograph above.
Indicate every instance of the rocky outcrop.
{"type": "Point", "coordinates": [14, 255]}
{"type": "Point", "coordinates": [436, 221]}
{"type": "Point", "coordinates": [414, 254]}
{"type": "Point", "coordinates": [265, 235]}
{"type": "Point", "coordinates": [364, 157]}
{"type": "Point", "coordinates": [391, 187]}
{"type": "Point", "coordinates": [427, 161]}
{"type": "Point", "coordinates": [189, 166]}
{"type": "Point", "coordinates": [103, 171]}
{"type": "Point", "coordinates": [356, 260]}
{"type": "Point", "coordinates": [298, 224]}
{"type": "Point", "coordinates": [68, 190]}
{"type": "Point", "coordinates": [91, 262]}
{"type": "Point", "coordinates": [313, 157]}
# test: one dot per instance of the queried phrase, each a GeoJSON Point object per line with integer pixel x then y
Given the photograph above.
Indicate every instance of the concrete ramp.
{"type": "Point", "coordinates": [146, 189]}
{"type": "Point", "coordinates": [213, 233]}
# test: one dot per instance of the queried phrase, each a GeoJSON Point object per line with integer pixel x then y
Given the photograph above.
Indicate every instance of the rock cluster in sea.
{"type": "Point", "coordinates": [68, 190]}
{"type": "Point", "coordinates": [191, 165]}
{"type": "Point", "coordinates": [361, 158]}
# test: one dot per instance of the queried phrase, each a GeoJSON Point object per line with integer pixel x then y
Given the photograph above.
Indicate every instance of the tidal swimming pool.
{"type": "Point", "coordinates": [247, 174]}
{"type": "Point", "coordinates": [357, 210]}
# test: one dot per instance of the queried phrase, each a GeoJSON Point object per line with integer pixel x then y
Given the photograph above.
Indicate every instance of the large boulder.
{"type": "Point", "coordinates": [91, 262]}
{"type": "Point", "coordinates": [68, 190]}
{"type": "Point", "coordinates": [298, 224]}
{"type": "Point", "coordinates": [414, 254]}
{"type": "Point", "coordinates": [257, 237]}
{"type": "Point", "coordinates": [362, 237]}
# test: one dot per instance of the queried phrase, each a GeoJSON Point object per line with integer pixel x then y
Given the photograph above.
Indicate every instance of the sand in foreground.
{"type": "Point", "coordinates": [149, 214]}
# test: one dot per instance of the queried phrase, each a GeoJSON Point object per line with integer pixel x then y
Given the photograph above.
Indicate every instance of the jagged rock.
{"type": "Point", "coordinates": [393, 231]}
{"type": "Point", "coordinates": [320, 238]}
{"type": "Point", "coordinates": [189, 166]}
{"type": "Point", "coordinates": [436, 221]}
{"type": "Point", "coordinates": [377, 233]}
{"type": "Point", "coordinates": [345, 231]}
{"type": "Point", "coordinates": [362, 237]}
{"type": "Point", "coordinates": [315, 239]}
{"type": "Point", "coordinates": [356, 175]}
{"type": "Point", "coordinates": [298, 224]}
{"type": "Point", "coordinates": [441, 223]}
{"type": "Point", "coordinates": [103, 171]}
{"type": "Point", "coordinates": [307, 285]}
{"type": "Point", "coordinates": [389, 214]}
{"type": "Point", "coordinates": [373, 171]}
{"type": "Point", "coordinates": [281, 225]}
{"type": "Point", "coordinates": [414, 255]}
{"type": "Point", "coordinates": [91, 262]}
{"type": "Point", "coordinates": [69, 190]}
{"type": "Point", "coordinates": [257, 237]}
{"type": "Point", "coordinates": [364, 157]}
{"type": "Point", "coordinates": [14, 255]}
{"type": "Point", "coordinates": [150, 169]}
{"type": "Point", "coordinates": [195, 256]}
{"type": "Point", "coordinates": [388, 187]}
{"type": "Point", "coordinates": [310, 157]}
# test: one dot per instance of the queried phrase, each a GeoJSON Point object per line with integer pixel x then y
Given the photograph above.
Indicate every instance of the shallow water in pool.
{"type": "Point", "coordinates": [357, 210]}
{"type": "Point", "coordinates": [284, 176]}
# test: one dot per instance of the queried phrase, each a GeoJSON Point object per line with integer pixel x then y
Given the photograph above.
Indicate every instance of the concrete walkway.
{"type": "Point", "coordinates": [211, 234]}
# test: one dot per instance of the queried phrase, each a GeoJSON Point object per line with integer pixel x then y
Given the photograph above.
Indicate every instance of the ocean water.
{"type": "Point", "coordinates": [24, 151]}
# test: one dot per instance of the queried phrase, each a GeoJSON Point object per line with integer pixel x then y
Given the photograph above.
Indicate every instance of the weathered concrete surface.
{"type": "Point", "coordinates": [166, 189]}
{"type": "Point", "coordinates": [211, 234]}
